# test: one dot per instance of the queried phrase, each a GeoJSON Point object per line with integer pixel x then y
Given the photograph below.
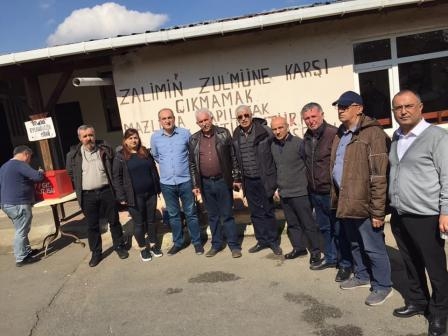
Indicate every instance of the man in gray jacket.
{"type": "Point", "coordinates": [292, 189]}
{"type": "Point", "coordinates": [418, 191]}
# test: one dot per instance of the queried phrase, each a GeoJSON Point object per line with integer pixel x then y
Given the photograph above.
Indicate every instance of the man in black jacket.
{"type": "Point", "coordinates": [213, 166]}
{"type": "Point", "coordinates": [316, 152]}
{"type": "Point", "coordinates": [89, 164]}
{"type": "Point", "coordinates": [252, 142]}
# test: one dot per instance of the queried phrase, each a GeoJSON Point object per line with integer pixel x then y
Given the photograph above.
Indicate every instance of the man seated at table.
{"type": "Point", "coordinates": [17, 197]}
{"type": "Point", "coordinates": [89, 164]}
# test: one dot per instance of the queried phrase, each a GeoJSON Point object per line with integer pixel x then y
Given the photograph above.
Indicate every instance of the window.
{"type": "Point", "coordinates": [374, 88]}
{"type": "Point", "coordinates": [429, 79]}
{"type": "Point", "coordinates": [420, 63]}
{"type": "Point", "coordinates": [423, 43]}
{"type": "Point", "coordinates": [372, 51]}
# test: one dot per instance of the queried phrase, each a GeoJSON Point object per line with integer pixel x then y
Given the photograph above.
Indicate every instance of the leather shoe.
{"type": "Point", "coordinates": [121, 251]}
{"type": "Point", "coordinates": [295, 254]}
{"type": "Point", "coordinates": [409, 310]}
{"type": "Point", "coordinates": [257, 248]}
{"type": "Point", "coordinates": [27, 260]}
{"type": "Point", "coordinates": [95, 260]}
{"type": "Point", "coordinates": [437, 326]}
{"type": "Point", "coordinates": [343, 274]}
{"type": "Point", "coordinates": [277, 250]}
{"type": "Point", "coordinates": [315, 258]}
{"type": "Point", "coordinates": [322, 265]}
{"type": "Point", "coordinates": [236, 253]}
{"type": "Point", "coordinates": [211, 253]}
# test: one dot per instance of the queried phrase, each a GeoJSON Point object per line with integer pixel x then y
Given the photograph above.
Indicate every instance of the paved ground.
{"type": "Point", "coordinates": [186, 294]}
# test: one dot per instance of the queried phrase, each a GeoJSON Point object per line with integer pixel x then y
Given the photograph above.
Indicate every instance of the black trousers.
{"type": "Point", "coordinates": [144, 216]}
{"type": "Point", "coordinates": [96, 204]}
{"type": "Point", "coordinates": [301, 223]}
{"type": "Point", "coordinates": [421, 248]}
{"type": "Point", "coordinates": [262, 212]}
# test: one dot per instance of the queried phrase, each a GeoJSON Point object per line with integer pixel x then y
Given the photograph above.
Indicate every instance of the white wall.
{"type": "Point", "coordinates": [298, 64]}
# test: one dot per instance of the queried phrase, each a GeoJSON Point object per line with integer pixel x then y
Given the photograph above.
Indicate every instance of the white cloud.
{"type": "Point", "coordinates": [102, 21]}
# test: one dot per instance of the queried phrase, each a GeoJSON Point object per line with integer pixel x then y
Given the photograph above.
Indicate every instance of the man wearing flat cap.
{"type": "Point", "coordinates": [359, 164]}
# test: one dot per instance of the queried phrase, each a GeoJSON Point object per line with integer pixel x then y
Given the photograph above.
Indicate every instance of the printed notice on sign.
{"type": "Point", "coordinates": [40, 129]}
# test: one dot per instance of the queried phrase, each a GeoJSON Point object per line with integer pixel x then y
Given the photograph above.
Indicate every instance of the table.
{"type": "Point", "coordinates": [53, 203]}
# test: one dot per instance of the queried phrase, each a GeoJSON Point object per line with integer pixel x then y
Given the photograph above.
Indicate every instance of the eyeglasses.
{"type": "Point", "coordinates": [407, 107]}
{"type": "Point", "coordinates": [245, 115]}
{"type": "Point", "coordinates": [344, 107]}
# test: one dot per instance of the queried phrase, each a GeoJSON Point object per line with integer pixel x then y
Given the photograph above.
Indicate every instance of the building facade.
{"type": "Point", "coordinates": [275, 62]}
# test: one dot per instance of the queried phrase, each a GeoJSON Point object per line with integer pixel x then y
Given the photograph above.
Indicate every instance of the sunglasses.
{"type": "Point", "coordinates": [241, 116]}
{"type": "Point", "coordinates": [344, 107]}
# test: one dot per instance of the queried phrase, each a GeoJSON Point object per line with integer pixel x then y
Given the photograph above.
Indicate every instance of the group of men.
{"type": "Point", "coordinates": [348, 175]}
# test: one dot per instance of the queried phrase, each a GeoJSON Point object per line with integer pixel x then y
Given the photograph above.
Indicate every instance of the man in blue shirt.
{"type": "Point", "coordinates": [17, 180]}
{"type": "Point", "coordinates": [169, 147]}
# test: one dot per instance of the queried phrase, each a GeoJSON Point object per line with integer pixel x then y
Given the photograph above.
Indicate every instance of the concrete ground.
{"type": "Point", "coordinates": [185, 294]}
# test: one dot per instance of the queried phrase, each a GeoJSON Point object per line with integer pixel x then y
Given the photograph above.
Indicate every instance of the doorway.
{"type": "Point", "coordinates": [68, 118]}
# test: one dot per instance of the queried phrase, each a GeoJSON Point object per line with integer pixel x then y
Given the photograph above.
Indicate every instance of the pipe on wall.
{"type": "Point", "coordinates": [91, 81]}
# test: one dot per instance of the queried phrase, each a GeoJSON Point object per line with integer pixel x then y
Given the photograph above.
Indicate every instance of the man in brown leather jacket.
{"type": "Point", "coordinates": [213, 167]}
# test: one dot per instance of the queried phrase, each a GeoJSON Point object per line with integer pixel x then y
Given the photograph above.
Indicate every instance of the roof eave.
{"type": "Point", "coordinates": [259, 21]}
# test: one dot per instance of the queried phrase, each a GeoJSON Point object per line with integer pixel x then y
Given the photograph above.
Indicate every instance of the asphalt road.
{"type": "Point", "coordinates": [258, 294]}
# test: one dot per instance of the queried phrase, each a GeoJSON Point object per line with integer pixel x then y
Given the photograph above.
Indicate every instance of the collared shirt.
{"type": "Point", "coordinates": [171, 153]}
{"type": "Point", "coordinates": [208, 156]}
{"type": "Point", "coordinates": [338, 167]}
{"type": "Point", "coordinates": [93, 174]}
{"type": "Point", "coordinates": [405, 141]}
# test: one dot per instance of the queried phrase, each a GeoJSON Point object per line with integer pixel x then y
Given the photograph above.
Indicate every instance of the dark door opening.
{"type": "Point", "coordinates": [68, 119]}
{"type": "Point", "coordinates": [5, 138]}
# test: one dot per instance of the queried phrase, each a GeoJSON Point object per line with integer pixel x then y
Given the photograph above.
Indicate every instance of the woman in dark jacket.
{"type": "Point", "coordinates": [137, 184]}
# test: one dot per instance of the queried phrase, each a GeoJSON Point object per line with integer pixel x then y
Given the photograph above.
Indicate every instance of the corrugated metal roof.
{"type": "Point", "coordinates": [208, 28]}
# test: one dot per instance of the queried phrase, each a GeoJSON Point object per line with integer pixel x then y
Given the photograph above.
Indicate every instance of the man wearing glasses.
{"type": "Point", "coordinates": [359, 163]}
{"type": "Point", "coordinates": [252, 141]}
{"type": "Point", "coordinates": [418, 191]}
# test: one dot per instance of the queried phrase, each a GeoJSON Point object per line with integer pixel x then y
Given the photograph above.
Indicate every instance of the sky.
{"type": "Point", "coordinates": [34, 24]}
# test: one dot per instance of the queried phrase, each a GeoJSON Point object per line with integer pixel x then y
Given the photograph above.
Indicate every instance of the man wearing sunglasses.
{"type": "Point", "coordinates": [359, 163]}
{"type": "Point", "coordinates": [252, 141]}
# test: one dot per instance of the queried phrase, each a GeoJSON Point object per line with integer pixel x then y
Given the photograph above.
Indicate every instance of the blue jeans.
{"type": "Point", "coordinates": [336, 244]}
{"type": "Point", "coordinates": [370, 259]}
{"type": "Point", "coordinates": [171, 195]}
{"type": "Point", "coordinates": [218, 199]}
{"type": "Point", "coordinates": [21, 216]}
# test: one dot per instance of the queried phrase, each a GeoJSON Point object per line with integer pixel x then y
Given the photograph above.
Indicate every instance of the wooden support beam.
{"type": "Point", "coordinates": [36, 102]}
{"type": "Point", "coordinates": [58, 90]}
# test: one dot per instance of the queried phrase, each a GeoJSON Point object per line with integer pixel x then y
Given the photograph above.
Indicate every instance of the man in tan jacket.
{"type": "Point", "coordinates": [359, 163]}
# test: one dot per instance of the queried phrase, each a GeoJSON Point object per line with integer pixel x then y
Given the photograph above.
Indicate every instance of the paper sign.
{"type": "Point", "coordinates": [40, 129]}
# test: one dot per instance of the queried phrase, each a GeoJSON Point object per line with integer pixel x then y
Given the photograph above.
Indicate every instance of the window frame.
{"type": "Point", "coordinates": [392, 64]}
